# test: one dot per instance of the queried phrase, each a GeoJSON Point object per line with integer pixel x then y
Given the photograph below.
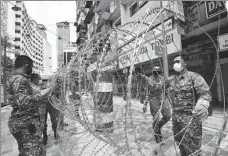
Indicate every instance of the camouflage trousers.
{"type": "Point", "coordinates": [55, 117]}
{"type": "Point", "coordinates": [187, 134]}
{"type": "Point", "coordinates": [29, 138]}
{"type": "Point", "coordinates": [155, 106]}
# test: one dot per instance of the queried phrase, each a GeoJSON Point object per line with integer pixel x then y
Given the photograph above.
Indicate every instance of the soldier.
{"type": "Point", "coordinates": [155, 97]}
{"type": "Point", "coordinates": [190, 98]}
{"type": "Point", "coordinates": [36, 85]}
{"type": "Point", "coordinates": [24, 121]}
{"type": "Point", "coordinates": [54, 114]}
{"type": "Point", "coordinates": [75, 96]}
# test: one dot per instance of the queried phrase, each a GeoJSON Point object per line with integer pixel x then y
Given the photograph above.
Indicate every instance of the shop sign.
{"type": "Point", "coordinates": [147, 50]}
{"type": "Point", "coordinates": [213, 8]}
{"type": "Point", "coordinates": [223, 42]}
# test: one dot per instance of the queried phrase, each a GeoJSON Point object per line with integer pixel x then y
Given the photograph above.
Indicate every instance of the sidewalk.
{"type": "Point", "coordinates": [78, 140]}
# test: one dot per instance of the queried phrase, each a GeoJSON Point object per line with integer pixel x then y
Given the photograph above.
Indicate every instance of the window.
{"type": "Point", "coordinates": [17, 31]}
{"type": "Point", "coordinates": [17, 39]}
{"type": "Point", "coordinates": [18, 23]}
{"type": "Point", "coordinates": [17, 47]}
{"type": "Point", "coordinates": [142, 3]}
{"type": "Point", "coordinates": [17, 16]}
{"type": "Point", "coordinates": [118, 22]}
{"type": "Point", "coordinates": [133, 9]}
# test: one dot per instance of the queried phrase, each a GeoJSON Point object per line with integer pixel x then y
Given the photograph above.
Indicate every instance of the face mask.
{"type": "Point", "coordinates": [178, 67]}
{"type": "Point", "coordinates": [40, 82]}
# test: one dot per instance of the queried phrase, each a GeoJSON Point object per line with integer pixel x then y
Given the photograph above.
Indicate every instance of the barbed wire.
{"type": "Point", "coordinates": [125, 138]}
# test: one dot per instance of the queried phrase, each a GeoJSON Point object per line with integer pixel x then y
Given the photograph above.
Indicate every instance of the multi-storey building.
{"type": "Point", "coordinates": [69, 51]}
{"type": "Point", "coordinates": [4, 17]}
{"type": "Point", "coordinates": [30, 36]}
{"type": "Point", "coordinates": [47, 59]}
{"type": "Point", "coordinates": [63, 39]}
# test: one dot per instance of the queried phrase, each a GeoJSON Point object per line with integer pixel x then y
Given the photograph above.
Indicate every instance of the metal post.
{"type": "Point", "coordinates": [165, 57]}
{"type": "Point", "coordinates": [104, 103]}
{"type": "Point", "coordinates": [4, 71]}
{"type": "Point", "coordinates": [0, 88]}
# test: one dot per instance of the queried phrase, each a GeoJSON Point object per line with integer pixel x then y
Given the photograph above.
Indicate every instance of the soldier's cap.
{"type": "Point", "coordinates": [184, 56]}
{"type": "Point", "coordinates": [22, 60]}
{"type": "Point", "coordinates": [156, 68]}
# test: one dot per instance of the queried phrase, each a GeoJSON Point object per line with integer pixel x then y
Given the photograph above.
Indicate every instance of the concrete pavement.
{"type": "Point", "coordinates": [133, 134]}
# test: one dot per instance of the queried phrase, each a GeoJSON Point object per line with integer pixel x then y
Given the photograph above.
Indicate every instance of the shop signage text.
{"type": "Point", "coordinates": [223, 42]}
{"type": "Point", "coordinates": [213, 8]}
{"type": "Point", "coordinates": [147, 51]}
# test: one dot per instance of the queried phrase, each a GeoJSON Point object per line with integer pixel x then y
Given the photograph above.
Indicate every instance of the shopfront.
{"type": "Point", "coordinates": [202, 42]}
{"type": "Point", "coordinates": [223, 83]}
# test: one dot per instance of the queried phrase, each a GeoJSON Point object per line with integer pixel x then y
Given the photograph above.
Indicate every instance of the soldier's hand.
{"type": "Point", "coordinates": [139, 74]}
{"type": "Point", "coordinates": [45, 93]}
{"type": "Point", "coordinates": [201, 110]}
{"type": "Point", "coordinates": [144, 108]}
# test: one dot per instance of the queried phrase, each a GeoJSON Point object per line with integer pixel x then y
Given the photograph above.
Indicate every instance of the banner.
{"type": "Point", "coordinates": [147, 51]}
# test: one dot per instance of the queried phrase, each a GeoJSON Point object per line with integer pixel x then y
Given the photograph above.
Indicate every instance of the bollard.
{"type": "Point", "coordinates": [104, 104]}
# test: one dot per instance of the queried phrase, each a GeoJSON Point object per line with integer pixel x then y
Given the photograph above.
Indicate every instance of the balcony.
{"type": "Point", "coordinates": [81, 26]}
{"type": "Point", "coordinates": [89, 17]}
{"type": "Point", "coordinates": [88, 4]}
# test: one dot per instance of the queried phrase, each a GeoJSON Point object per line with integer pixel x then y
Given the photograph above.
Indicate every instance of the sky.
{"type": "Point", "coordinates": [48, 13]}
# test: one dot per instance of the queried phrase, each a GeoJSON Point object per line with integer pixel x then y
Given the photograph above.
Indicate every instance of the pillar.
{"type": "Point", "coordinates": [104, 103]}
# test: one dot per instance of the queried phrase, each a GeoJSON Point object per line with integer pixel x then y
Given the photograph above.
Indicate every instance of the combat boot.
{"type": "Point", "coordinates": [56, 136]}
{"type": "Point", "coordinates": [157, 133]}
{"type": "Point", "coordinates": [45, 138]}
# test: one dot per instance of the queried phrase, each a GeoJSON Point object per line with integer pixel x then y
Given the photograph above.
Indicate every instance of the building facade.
{"type": "Point", "coordinates": [63, 39]}
{"type": "Point", "coordinates": [29, 36]}
{"type": "Point", "coordinates": [47, 59]}
{"type": "Point", "coordinates": [196, 28]}
{"type": "Point", "coordinates": [69, 51]}
{"type": "Point", "coordinates": [4, 17]}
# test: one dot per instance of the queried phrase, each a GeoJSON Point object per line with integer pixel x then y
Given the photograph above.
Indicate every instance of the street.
{"type": "Point", "coordinates": [129, 137]}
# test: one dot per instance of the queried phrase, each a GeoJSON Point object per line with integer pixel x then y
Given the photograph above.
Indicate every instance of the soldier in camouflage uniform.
{"type": "Point", "coordinates": [36, 85]}
{"type": "Point", "coordinates": [190, 98]}
{"type": "Point", "coordinates": [24, 122]}
{"type": "Point", "coordinates": [154, 97]}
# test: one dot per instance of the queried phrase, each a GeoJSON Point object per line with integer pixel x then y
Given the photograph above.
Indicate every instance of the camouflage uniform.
{"type": "Point", "coordinates": [54, 116]}
{"type": "Point", "coordinates": [154, 96]}
{"type": "Point", "coordinates": [42, 105]}
{"type": "Point", "coordinates": [75, 97]}
{"type": "Point", "coordinates": [184, 91]}
{"type": "Point", "coordinates": [24, 122]}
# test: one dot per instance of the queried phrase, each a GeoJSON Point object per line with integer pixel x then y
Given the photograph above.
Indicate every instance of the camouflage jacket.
{"type": "Point", "coordinates": [22, 99]}
{"type": "Point", "coordinates": [154, 89]}
{"type": "Point", "coordinates": [184, 90]}
{"type": "Point", "coordinates": [42, 102]}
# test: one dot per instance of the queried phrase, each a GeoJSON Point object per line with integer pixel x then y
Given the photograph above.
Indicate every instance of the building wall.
{"type": "Point", "coordinates": [4, 17]}
{"type": "Point", "coordinates": [11, 20]}
{"type": "Point", "coordinates": [47, 59]}
{"type": "Point", "coordinates": [63, 31]}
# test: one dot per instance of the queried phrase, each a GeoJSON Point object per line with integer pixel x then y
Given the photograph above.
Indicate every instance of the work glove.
{"type": "Point", "coordinates": [200, 111]}
{"type": "Point", "coordinates": [145, 106]}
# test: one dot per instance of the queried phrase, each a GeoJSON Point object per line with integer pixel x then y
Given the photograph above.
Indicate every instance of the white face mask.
{"type": "Point", "coordinates": [40, 82]}
{"type": "Point", "coordinates": [178, 67]}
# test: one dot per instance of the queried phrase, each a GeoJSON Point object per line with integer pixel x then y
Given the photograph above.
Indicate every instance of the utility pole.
{"type": "Point", "coordinates": [165, 57]}
{"type": "Point", "coordinates": [4, 71]}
